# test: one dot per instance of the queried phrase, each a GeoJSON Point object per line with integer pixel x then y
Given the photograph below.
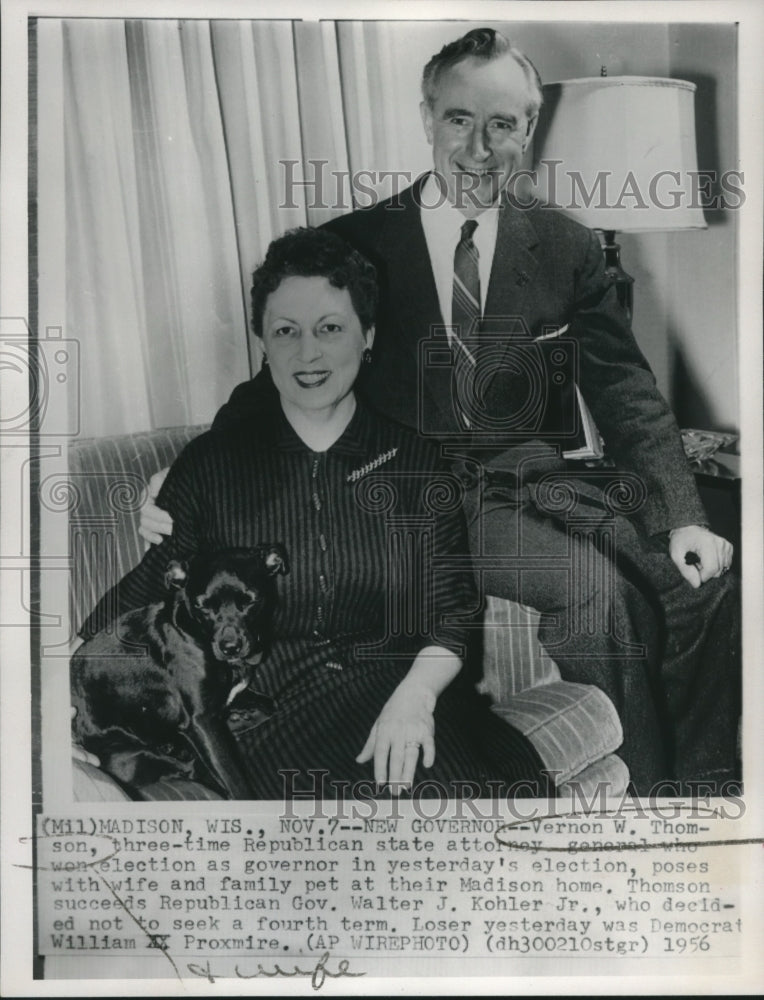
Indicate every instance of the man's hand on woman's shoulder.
{"type": "Point", "coordinates": [155, 522]}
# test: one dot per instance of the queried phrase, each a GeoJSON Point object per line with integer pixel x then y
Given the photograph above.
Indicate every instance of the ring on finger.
{"type": "Point", "coordinates": [413, 743]}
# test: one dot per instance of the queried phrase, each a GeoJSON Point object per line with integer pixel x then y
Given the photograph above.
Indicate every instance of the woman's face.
{"type": "Point", "coordinates": [314, 342]}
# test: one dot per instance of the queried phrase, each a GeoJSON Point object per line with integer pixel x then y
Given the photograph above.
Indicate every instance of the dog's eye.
{"type": "Point", "coordinates": [247, 599]}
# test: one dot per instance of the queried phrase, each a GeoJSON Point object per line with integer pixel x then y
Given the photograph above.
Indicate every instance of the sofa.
{"type": "Point", "coordinates": [574, 727]}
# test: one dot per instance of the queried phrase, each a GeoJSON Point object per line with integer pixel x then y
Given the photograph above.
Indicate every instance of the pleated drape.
{"type": "Point", "coordinates": [153, 293]}
{"type": "Point", "coordinates": [187, 148]}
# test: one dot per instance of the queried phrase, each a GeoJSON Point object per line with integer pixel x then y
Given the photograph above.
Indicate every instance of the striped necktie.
{"type": "Point", "coordinates": [465, 304]}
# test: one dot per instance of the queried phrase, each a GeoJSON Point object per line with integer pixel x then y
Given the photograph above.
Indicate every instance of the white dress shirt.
{"type": "Point", "coordinates": [442, 226]}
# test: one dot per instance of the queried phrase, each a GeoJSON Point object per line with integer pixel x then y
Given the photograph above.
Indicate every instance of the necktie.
{"type": "Point", "coordinates": [465, 305]}
{"type": "Point", "coordinates": [465, 315]}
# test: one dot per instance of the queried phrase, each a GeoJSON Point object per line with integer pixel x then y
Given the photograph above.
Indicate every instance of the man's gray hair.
{"type": "Point", "coordinates": [486, 44]}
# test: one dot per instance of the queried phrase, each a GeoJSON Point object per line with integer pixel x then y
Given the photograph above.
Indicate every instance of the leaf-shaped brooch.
{"type": "Point", "coordinates": [370, 466]}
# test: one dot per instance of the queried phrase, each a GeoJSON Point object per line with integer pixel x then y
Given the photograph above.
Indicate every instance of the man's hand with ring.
{"type": "Point", "coordinates": [699, 554]}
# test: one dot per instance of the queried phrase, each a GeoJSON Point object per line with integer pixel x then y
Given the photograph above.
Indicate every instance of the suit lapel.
{"type": "Point", "coordinates": [513, 270]}
{"type": "Point", "coordinates": [412, 297]}
{"type": "Point", "coordinates": [403, 246]}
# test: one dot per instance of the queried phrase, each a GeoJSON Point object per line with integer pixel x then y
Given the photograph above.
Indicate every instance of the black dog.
{"type": "Point", "coordinates": [151, 692]}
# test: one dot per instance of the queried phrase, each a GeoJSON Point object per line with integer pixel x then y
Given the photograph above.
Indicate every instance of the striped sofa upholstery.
{"type": "Point", "coordinates": [109, 476]}
{"type": "Point", "coordinates": [574, 727]}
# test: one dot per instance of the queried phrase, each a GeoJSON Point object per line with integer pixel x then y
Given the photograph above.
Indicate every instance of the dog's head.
{"type": "Point", "coordinates": [227, 597]}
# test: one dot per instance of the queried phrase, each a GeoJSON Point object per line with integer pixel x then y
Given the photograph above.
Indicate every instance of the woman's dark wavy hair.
{"type": "Point", "coordinates": [480, 43]}
{"type": "Point", "coordinates": [315, 253]}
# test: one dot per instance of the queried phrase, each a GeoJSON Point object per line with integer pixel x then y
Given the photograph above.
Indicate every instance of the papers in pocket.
{"type": "Point", "coordinates": [590, 444]}
{"type": "Point", "coordinates": [558, 332]}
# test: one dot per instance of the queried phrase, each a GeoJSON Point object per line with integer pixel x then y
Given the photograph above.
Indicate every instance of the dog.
{"type": "Point", "coordinates": [151, 692]}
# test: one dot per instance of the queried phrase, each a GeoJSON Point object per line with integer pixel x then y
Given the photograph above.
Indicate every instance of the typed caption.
{"type": "Point", "coordinates": [250, 894]}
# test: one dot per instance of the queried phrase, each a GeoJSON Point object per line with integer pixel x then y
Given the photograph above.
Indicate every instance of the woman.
{"type": "Point", "coordinates": [369, 630]}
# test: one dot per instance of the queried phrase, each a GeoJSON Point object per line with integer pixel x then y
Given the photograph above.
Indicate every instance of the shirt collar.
{"type": "Point", "coordinates": [441, 221]}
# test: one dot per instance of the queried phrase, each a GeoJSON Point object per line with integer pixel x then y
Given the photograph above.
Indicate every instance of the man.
{"type": "Point", "coordinates": [636, 604]}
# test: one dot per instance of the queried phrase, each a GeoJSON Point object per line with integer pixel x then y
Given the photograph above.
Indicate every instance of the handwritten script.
{"type": "Point", "coordinates": [317, 974]}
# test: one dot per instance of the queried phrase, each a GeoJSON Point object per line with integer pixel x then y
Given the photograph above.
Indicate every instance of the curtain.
{"type": "Point", "coordinates": [188, 145]}
{"type": "Point", "coordinates": [275, 120]}
{"type": "Point", "coordinates": [152, 289]}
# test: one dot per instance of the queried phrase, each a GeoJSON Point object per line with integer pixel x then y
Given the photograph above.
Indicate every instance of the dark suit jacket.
{"type": "Point", "coordinates": [548, 271]}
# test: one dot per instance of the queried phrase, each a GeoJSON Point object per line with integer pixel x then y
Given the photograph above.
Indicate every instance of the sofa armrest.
{"type": "Point", "coordinates": [91, 784]}
{"type": "Point", "coordinates": [513, 658]}
{"type": "Point", "coordinates": [571, 725]}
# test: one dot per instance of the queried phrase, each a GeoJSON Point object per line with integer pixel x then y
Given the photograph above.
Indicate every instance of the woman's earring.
{"type": "Point", "coordinates": [265, 361]}
{"type": "Point", "coordinates": [366, 356]}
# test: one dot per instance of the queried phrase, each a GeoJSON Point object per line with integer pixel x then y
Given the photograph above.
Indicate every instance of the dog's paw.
{"type": "Point", "coordinates": [250, 709]}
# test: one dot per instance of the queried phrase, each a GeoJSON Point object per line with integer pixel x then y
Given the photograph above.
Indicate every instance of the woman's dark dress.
{"type": "Point", "coordinates": [378, 570]}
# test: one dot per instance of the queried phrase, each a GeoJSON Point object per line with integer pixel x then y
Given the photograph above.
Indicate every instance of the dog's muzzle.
{"type": "Point", "coordinates": [236, 653]}
{"type": "Point", "coordinates": [233, 646]}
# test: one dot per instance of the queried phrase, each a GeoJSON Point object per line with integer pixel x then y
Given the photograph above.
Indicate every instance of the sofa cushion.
{"type": "Point", "coordinates": [609, 775]}
{"type": "Point", "coordinates": [90, 784]}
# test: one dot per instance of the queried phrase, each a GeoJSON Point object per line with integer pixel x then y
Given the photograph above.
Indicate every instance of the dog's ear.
{"type": "Point", "coordinates": [175, 575]}
{"type": "Point", "coordinates": [275, 559]}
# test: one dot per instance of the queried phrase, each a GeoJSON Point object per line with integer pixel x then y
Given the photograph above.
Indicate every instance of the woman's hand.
{"type": "Point", "coordinates": [406, 724]}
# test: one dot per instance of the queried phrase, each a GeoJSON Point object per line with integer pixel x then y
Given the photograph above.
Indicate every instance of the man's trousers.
{"type": "Point", "coordinates": [616, 612]}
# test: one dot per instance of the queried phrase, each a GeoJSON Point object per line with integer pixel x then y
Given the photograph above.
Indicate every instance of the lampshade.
{"type": "Point", "coordinates": [618, 153]}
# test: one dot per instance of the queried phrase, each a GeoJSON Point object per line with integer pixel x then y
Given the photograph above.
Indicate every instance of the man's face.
{"type": "Point", "coordinates": [478, 128]}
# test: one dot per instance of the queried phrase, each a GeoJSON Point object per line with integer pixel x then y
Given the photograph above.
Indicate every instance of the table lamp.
{"type": "Point", "coordinates": [617, 153]}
